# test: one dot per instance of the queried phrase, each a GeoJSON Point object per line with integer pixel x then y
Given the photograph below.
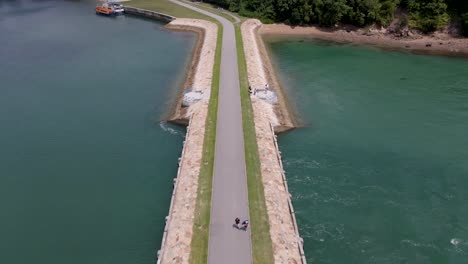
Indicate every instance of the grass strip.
{"type": "Point", "coordinates": [262, 249]}
{"type": "Point", "coordinates": [168, 8]}
{"type": "Point", "coordinates": [211, 8]}
{"type": "Point", "coordinates": [201, 224]}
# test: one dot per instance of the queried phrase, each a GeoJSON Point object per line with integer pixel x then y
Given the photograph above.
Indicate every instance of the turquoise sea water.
{"type": "Point", "coordinates": [379, 173]}
{"type": "Point", "coordinates": [86, 168]}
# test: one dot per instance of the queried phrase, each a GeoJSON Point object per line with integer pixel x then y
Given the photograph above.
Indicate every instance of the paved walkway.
{"type": "Point", "coordinates": [229, 199]}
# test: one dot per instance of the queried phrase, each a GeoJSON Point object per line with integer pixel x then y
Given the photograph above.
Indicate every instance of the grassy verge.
{"type": "Point", "coordinates": [168, 8]}
{"type": "Point", "coordinates": [212, 9]}
{"type": "Point", "coordinates": [262, 249]}
{"type": "Point", "coordinates": [201, 224]}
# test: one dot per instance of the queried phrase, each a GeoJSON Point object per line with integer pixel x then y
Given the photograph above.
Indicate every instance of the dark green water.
{"type": "Point", "coordinates": [380, 172]}
{"type": "Point", "coordinates": [85, 167]}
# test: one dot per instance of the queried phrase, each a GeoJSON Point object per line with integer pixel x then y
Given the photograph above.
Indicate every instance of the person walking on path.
{"type": "Point", "coordinates": [245, 224]}
{"type": "Point", "coordinates": [237, 221]}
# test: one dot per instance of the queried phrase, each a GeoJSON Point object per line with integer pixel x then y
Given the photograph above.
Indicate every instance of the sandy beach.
{"type": "Point", "coordinates": [437, 43]}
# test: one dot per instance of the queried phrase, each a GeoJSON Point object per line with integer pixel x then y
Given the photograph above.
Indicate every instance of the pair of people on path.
{"type": "Point", "coordinates": [254, 91]}
{"type": "Point", "coordinates": [244, 225]}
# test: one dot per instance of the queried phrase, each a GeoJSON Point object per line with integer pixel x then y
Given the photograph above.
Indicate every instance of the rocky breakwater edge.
{"type": "Point", "coordinates": [272, 114]}
{"type": "Point", "coordinates": [438, 43]}
{"type": "Point", "coordinates": [177, 237]}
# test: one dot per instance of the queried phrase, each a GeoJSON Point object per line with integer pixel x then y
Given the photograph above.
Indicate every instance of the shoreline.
{"type": "Point", "coordinates": [437, 44]}
{"type": "Point", "coordinates": [283, 228]}
{"type": "Point", "coordinates": [199, 71]}
{"type": "Point", "coordinates": [175, 113]}
{"type": "Point", "coordinates": [260, 71]}
{"type": "Point", "coordinates": [286, 114]}
{"type": "Point", "coordinates": [271, 118]}
{"type": "Point", "coordinates": [178, 229]}
{"type": "Point", "coordinates": [177, 238]}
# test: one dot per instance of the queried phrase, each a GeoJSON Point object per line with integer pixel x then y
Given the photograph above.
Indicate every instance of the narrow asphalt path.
{"type": "Point", "coordinates": [228, 245]}
{"type": "Point", "coordinates": [233, 16]}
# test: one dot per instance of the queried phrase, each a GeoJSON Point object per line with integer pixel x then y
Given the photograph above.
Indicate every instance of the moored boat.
{"type": "Point", "coordinates": [118, 7]}
{"type": "Point", "coordinates": [110, 9]}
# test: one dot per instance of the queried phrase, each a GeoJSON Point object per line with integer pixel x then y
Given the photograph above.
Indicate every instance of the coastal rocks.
{"type": "Point", "coordinates": [399, 31]}
{"type": "Point", "coordinates": [202, 70]}
{"type": "Point", "coordinates": [396, 37]}
{"type": "Point", "coordinates": [176, 242]}
{"type": "Point", "coordinates": [261, 72]}
{"type": "Point", "coordinates": [267, 95]}
{"type": "Point", "coordinates": [176, 247]}
{"type": "Point", "coordinates": [191, 96]}
{"type": "Point", "coordinates": [255, 71]}
{"type": "Point", "coordinates": [286, 246]}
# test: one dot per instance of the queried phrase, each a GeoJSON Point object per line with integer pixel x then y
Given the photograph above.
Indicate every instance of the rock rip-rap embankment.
{"type": "Point", "coordinates": [200, 69]}
{"type": "Point", "coordinates": [175, 247]}
{"type": "Point", "coordinates": [437, 43]}
{"type": "Point", "coordinates": [287, 245]}
{"type": "Point", "coordinates": [261, 73]}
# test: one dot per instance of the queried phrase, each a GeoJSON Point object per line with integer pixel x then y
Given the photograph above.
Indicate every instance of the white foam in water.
{"type": "Point", "coordinates": [455, 241]}
{"type": "Point", "coordinates": [171, 131]}
{"type": "Point", "coordinates": [419, 244]}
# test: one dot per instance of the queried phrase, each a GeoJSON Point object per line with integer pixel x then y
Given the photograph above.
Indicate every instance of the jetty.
{"type": "Point", "coordinates": [148, 14]}
{"type": "Point", "coordinates": [229, 194]}
{"type": "Point", "coordinates": [229, 197]}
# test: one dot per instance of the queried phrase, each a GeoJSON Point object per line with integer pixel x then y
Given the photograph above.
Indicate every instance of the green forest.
{"type": "Point", "coordinates": [425, 15]}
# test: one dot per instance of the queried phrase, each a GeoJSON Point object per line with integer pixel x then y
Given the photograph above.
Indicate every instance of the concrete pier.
{"type": "Point", "coordinates": [226, 200]}
{"type": "Point", "coordinates": [287, 243]}
{"type": "Point", "coordinates": [148, 14]}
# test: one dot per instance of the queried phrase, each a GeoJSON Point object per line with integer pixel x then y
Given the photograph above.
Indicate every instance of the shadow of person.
{"type": "Point", "coordinates": [235, 226]}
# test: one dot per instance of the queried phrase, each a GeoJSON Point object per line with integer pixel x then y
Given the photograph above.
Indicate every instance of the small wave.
{"type": "Point", "coordinates": [455, 241]}
{"type": "Point", "coordinates": [327, 231]}
{"type": "Point", "coordinates": [374, 188]}
{"type": "Point", "coordinates": [392, 203]}
{"type": "Point", "coordinates": [166, 127]}
{"type": "Point", "coordinates": [459, 246]}
{"type": "Point", "coordinates": [346, 199]}
{"type": "Point", "coordinates": [417, 244]}
{"type": "Point", "coordinates": [302, 163]}
{"type": "Point", "coordinates": [311, 196]}
{"type": "Point", "coordinates": [458, 242]}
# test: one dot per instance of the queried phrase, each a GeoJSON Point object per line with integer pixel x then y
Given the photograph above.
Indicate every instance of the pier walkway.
{"type": "Point", "coordinates": [229, 198]}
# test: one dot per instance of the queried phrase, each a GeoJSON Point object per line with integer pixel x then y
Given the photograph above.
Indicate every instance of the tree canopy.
{"type": "Point", "coordinates": [426, 15]}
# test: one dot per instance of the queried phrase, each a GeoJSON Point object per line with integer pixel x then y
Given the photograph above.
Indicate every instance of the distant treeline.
{"type": "Point", "coordinates": [426, 15]}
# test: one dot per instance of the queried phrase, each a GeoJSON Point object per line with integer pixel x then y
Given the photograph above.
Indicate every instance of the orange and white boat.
{"type": "Point", "coordinates": [110, 9]}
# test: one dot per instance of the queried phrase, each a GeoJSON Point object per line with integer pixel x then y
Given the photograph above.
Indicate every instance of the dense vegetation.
{"type": "Point", "coordinates": [426, 15]}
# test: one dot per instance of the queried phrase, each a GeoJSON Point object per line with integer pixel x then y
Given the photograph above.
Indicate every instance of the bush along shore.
{"type": "Point", "coordinates": [424, 16]}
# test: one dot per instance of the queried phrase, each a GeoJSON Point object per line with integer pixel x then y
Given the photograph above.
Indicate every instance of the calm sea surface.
{"type": "Point", "coordinates": [379, 173]}
{"type": "Point", "coordinates": [86, 168]}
